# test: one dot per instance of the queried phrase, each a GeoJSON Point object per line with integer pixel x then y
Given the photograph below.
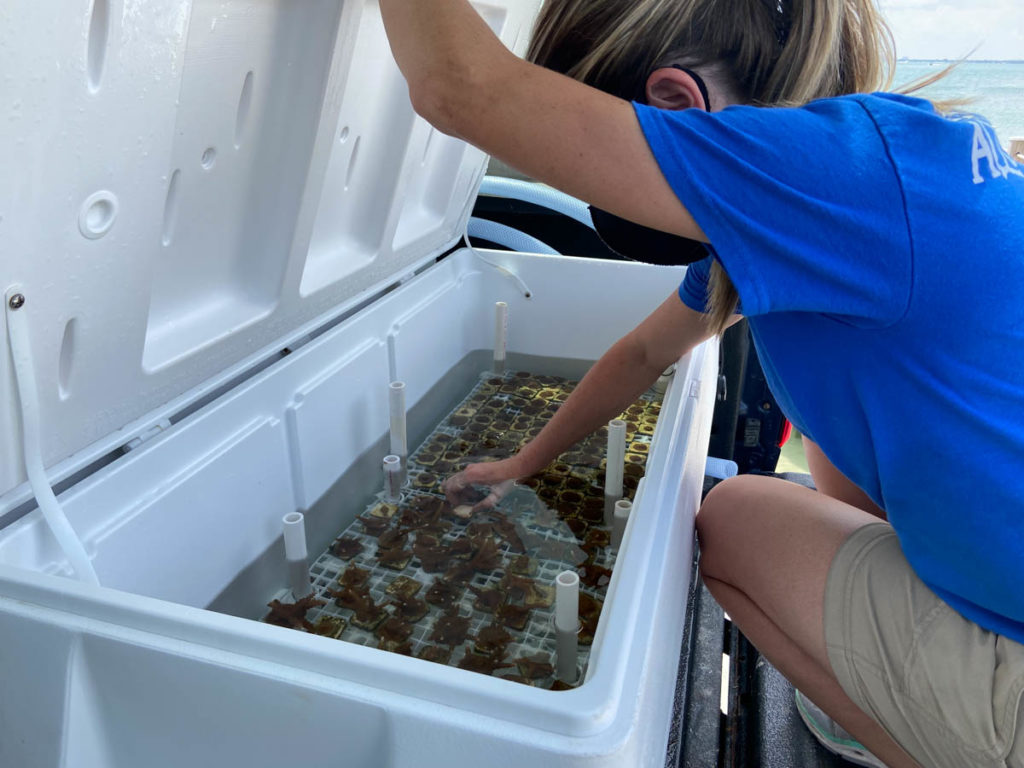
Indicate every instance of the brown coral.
{"type": "Point", "coordinates": [514, 616]}
{"type": "Point", "coordinates": [292, 615]}
{"type": "Point", "coordinates": [594, 575]}
{"type": "Point", "coordinates": [404, 587]}
{"type": "Point", "coordinates": [373, 525]}
{"type": "Point", "coordinates": [450, 629]}
{"type": "Point", "coordinates": [433, 556]}
{"type": "Point", "coordinates": [436, 654]}
{"type": "Point", "coordinates": [330, 626]}
{"type": "Point", "coordinates": [443, 593]}
{"type": "Point", "coordinates": [367, 613]}
{"type": "Point", "coordinates": [492, 640]}
{"type": "Point", "coordinates": [536, 666]}
{"type": "Point", "coordinates": [394, 630]}
{"type": "Point", "coordinates": [410, 608]}
{"type": "Point", "coordinates": [397, 559]}
{"type": "Point", "coordinates": [354, 576]}
{"type": "Point", "coordinates": [488, 600]}
{"type": "Point", "coordinates": [485, 665]}
{"type": "Point", "coordinates": [346, 547]}
{"type": "Point", "coordinates": [393, 539]}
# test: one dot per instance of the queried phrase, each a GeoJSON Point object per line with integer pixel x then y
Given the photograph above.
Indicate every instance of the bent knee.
{"type": "Point", "coordinates": [727, 502]}
{"type": "Point", "coordinates": [725, 520]}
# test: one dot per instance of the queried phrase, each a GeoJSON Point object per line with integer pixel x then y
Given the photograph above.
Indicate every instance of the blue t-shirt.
{"type": "Point", "coordinates": [878, 250]}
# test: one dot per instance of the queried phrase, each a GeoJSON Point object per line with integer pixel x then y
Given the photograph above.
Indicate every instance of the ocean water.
{"type": "Point", "coordinates": [995, 87]}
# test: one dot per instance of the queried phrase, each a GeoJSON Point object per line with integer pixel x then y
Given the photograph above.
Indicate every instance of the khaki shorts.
{"type": "Point", "coordinates": [945, 689]}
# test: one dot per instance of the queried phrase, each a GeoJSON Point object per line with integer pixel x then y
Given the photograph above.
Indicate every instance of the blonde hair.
{"type": "Point", "coordinates": [767, 52]}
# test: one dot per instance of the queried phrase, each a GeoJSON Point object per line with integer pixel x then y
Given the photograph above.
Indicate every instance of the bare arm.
{"type": "Point", "coordinates": [573, 137]}
{"type": "Point", "coordinates": [623, 373]}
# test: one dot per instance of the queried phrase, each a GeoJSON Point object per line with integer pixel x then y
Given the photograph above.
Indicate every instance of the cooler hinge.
{"type": "Point", "coordinates": [146, 435]}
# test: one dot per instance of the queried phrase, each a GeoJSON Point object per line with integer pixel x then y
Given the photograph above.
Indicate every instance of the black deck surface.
{"type": "Point", "coordinates": [762, 728]}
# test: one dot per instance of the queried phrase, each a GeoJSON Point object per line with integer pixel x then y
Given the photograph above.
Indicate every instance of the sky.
{"type": "Point", "coordinates": [949, 29]}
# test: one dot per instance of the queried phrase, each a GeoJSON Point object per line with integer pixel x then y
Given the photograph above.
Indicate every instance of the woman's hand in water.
{"type": "Point", "coordinates": [497, 476]}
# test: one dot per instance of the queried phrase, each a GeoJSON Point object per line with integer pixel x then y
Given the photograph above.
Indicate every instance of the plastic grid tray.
{"type": "Point", "coordinates": [555, 514]}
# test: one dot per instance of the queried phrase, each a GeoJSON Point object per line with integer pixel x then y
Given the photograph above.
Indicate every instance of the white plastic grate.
{"type": "Point", "coordinates": [501, 413]}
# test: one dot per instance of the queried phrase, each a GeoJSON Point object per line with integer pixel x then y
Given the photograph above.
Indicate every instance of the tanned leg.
{"type": "Point", "coordinates": [766, 548]}
{"type": "Point", "coordinates": [834, 483]}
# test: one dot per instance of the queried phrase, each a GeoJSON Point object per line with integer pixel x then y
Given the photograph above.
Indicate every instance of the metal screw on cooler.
{"type": "Point", "coordinates": [17, 301]}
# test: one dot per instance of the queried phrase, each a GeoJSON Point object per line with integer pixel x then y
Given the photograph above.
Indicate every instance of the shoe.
{"type": "Point", "coordinates": [832, 736]}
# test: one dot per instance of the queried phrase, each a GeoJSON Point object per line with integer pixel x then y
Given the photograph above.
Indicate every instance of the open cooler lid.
{"type": "Point", "coordinates": [191, 184]}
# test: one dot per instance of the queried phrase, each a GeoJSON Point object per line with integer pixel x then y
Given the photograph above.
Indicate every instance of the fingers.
{"type": "Point", "coordinates": [454, 486]}
{"type": "Point", "coordinates": [487, 473]}
{"type": "Point", "coordinates": [498, 492]}
{"type": "Point", "coordinates": [454, 483]}
{"type": "Point", "coordinates": [464, 488]}
{"type": "Point", "coordinates": [488, 503]}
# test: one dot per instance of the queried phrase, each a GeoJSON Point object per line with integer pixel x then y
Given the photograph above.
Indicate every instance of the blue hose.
{"type": "Point", "coordinates": [508, 237]}
{"type": "Point", "coordinates": [538, 194]}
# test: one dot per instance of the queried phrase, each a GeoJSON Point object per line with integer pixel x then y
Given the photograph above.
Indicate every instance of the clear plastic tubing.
{"type": "Point", "coordinates": [25, 380]}
{"type": "Point", "coordinates": [399, 444]}
{"type": "Point", "coordinates": [622, 509]}
{"type": "Point", "coordinates": [567, 622]}
{"type": "Point", "coordinates": [296, 555]}
{"type": "Point", "coordinates": [392, 479]}
{"type": "Point", "coordinates": [500, 335]}
{"type": "Point", "coordinates": [615, 466]}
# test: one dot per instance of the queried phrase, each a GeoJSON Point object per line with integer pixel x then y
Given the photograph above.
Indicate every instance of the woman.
{"type": "Point", "coordinates": [873, 244]}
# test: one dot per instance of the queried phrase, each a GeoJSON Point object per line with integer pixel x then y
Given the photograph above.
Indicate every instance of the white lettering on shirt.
{"type": "Point", "coordinates": [985, 146]}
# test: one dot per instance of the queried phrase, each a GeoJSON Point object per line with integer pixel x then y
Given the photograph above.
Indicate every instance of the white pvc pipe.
{"type": "Point", "coordinates": [399, 443]}
{"type": "Point", "coordinates": [25, 379]}
{"type": "Point", "coordinates": [567, 618]}
{"type": "Point", "coordinates": [500, 335]}
{"type": "Point", "coordinates": [296, 554]}
{"type": "Point", "coordinates": [720, 469]}
{"type": "Point", "coordinates": [622, 509]}
{"type": "Point", "coordinates": [392, 478]}
{"type": "Point", "coordinates": [295, 536]}
{"type": "Point", "coordinates": [614, 467]}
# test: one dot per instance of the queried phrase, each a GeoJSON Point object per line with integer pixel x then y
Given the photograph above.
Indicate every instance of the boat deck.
{"type": "Point", "coordinates": [759, 727]}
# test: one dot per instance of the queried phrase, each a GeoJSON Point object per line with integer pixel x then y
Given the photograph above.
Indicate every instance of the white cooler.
{"type": "Point", "coordinates": [220, 231]}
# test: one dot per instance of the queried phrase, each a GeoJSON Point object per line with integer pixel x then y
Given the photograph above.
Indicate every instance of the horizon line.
{"type": "Point", "coordinates": [982, 61]}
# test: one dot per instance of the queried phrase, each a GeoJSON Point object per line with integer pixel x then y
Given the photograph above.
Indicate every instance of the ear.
{"type": "Point", "coordinates": [671, 88]}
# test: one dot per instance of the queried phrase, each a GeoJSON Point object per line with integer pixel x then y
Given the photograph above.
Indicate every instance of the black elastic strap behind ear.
{"type": "Point", "coordinates": [700, 85]}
